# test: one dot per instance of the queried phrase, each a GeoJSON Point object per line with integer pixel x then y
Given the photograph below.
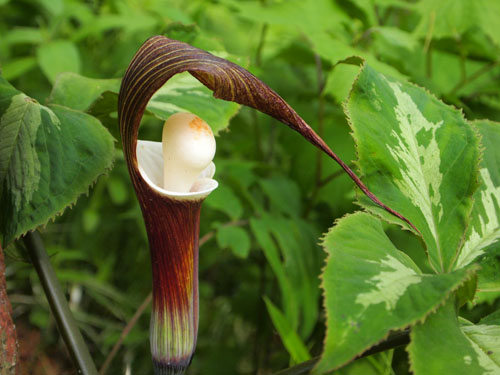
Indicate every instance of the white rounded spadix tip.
{"type": "Point", "coordinates": [188, 146]}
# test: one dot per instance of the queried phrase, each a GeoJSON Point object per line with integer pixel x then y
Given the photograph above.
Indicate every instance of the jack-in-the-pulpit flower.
{"type": "Point", "coordinates": [172, 217]}
{"type": "Point", "coordinates": [179, 170]}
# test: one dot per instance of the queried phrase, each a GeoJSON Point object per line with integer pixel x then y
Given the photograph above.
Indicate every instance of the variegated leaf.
{"type": "Point", "coordinates": [419, 156]}
{"type": "Point", "coordinates": [457, 350]}
{"type": "Point", "coordinates": [486, 336]}
{"type": "Point", "coordinates": [488, 280]}
{"type": "Point", "coordinates": [484, 229]}
{"type": "Point", "coordinates": [372, 288]}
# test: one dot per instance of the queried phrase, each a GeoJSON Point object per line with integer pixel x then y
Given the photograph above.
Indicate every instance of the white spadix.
{"type": "Point", "coordinates": [188, 146]}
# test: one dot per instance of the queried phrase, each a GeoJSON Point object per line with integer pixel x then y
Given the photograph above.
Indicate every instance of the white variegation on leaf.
{"type": "Point", "coordinates": [484, 229]}
{"type": "Point", "coordinates": [418, 152]}
{"type": "Point", "coordinates": [463, 349]}
{"type": "Point", "coordinates": [389, 285]}
{"type": "Point", "coordinates": [386, 290]}
{"type": "Point", "coordinates": [419, 156]}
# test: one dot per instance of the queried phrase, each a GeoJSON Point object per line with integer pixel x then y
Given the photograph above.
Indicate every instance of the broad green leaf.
{"type": "Point", "coordinates": [130, 22]}
{"type": "Point", "coordinates": [372, 288]}
{"type": "Point", "coordinates": [224, 199]}
{"type": "Point", "coordinates": [283, 193]}
{"type": "Point", "coordinates": [308, 16]}
{"type": "Point", "coordinates": [48, 157]}
{"type": "Point", "coordinates": [402, 50]}
{"type": "Point", "coordinates": [17, 67]}
{"type": "Point", "coordinates": [484, 229]}
{"type": "Point", "coordinates": [340, 80]}
{"type": "Point", "coordinates": [487, 337]}
{"type": "Point", "coordinates": [57, 57]}
{"type": "Point", "coordinates": [373, 7]}
{"type": "Point", "coordinates": [23, 35]}
{"type": "Point", "coordinates": [458, 350]}
{"type": "Point", "coordinates": [491, 319]}
{"type": "Point", "coordinates": [419, 156]}
{"type": "Point", "coordinates": [335, 50]}
{"type": "Point", "coordinates": [79, 92]}
{"type": "Point", "coordinates": [291, 340]}
{"type": "Point", "coordinates": [451, 18]}
{"type": "Point", "coordinates": [488, 283]}
{"type": "Point", "coordinates": [234, 238]}
{"type": "Point", "coordinates": [183, 93]}
{"type": "Point", "coordinates": [55, 7]}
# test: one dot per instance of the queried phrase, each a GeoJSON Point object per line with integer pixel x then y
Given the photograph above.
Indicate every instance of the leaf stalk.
{"type": "Point", "coordinates": [66, 324]}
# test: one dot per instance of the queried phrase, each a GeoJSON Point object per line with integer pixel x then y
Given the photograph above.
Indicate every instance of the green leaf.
{"type": "Point", "coordinates": [372, 288]}
{"type": "Point", "coordinates": [234, 238]}
{"type": "Point", "coordinates": [283, 193]}
{"type": "Point", "coordinates": [452, 18]}
{"type": "Point", "coordinates": [487, 337]}
{"type": "Point", "coordinates": [224, 200]}
{"type": "Point", "coordinates": [23, 35]}
{"type": "Point", "coordinates": [48, 157]}
{"type": "Point", "coordinates": [79, 92]}
{"type": "Point", "coordinates": [488, 286]}
{"type": "Point", "coordinates": [291, 340]}
{"type": "Point", "coordinates": [17, 67]}
{"type": "Point", "coordinates": [289, 301]}
{"type": "Point", "coordinates": [484, 229]}
{"type": "Point", "coordinates": [183, 93]}
{"type": "Point", "coordinates": [296, 266]}
{"type": "Point", "coordinates": [309, 16]}
{"type": "Point", "coordinates": [57, 57]}
{"type": "Point", "coordinates": [419, 156]}
{"type": "Point", "coordinates": [491, 319]}
{"type": "Point", "coordinates": [459, 350]}
{"type": "Point", "coordinates": [336, 50]}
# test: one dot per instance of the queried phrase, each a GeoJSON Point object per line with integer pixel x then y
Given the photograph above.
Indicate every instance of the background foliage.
{"type": "Point", "coordinates": [260, 260]}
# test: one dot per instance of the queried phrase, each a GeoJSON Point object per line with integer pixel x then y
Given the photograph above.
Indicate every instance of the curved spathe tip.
{"type": "Point", "coordinates": [150, 161]}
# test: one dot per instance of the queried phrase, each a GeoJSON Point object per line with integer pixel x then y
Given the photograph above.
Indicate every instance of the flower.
{"type": "Point", "coordinates": [172, 223]}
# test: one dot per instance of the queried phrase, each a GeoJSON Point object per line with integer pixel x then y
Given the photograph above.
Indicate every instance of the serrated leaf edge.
{"type": "Point", "coordinates": [470, 273]}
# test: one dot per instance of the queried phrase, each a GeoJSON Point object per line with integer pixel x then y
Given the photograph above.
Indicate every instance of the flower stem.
{"type": "Point", "coordinates": [59, 305]}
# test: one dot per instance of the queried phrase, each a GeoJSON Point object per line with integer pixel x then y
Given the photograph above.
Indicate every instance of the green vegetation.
{"type": "Point", "coordinates": [416, 117]}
